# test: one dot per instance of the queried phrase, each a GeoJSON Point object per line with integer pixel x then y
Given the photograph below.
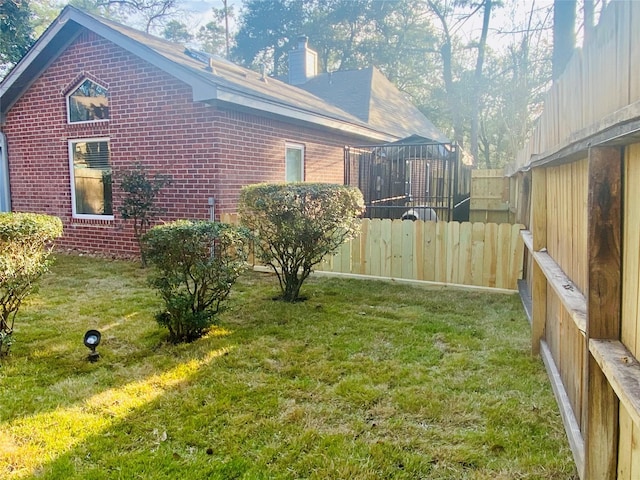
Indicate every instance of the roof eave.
{"type": "Point", "coordinates": [68, 26]}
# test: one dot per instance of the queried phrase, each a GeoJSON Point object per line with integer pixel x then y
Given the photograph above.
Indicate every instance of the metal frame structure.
{"type": "Point", "coordinates": [414, 180]}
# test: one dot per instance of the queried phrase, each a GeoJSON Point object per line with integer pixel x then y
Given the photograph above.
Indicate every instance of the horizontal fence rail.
{"type": "Point", "coordinates": [475, 254]}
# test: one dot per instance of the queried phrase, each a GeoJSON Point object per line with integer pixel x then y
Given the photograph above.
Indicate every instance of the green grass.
{"type": "Point", "coordinates": [363, 380]}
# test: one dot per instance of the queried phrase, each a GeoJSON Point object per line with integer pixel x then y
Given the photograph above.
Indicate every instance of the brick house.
{"type": "Point", "coordinates": [93, 97]}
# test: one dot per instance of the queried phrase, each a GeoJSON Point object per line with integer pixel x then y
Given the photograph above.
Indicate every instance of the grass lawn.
{"type": "Point", "coordinates": [363, 380]}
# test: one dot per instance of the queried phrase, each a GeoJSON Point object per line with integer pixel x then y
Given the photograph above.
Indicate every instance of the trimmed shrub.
{"type": "Point", "coordinates": [139, 201]}
{"type": "Point", "coordinates": [26, 241]}
{"type": "Point", "coordinates": [196, 264]}
{"type": "Point", "coordinates": [297, 224]}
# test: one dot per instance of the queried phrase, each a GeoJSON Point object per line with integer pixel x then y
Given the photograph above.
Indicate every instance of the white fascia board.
{"type": "Point", "coordinates": [264, 105]}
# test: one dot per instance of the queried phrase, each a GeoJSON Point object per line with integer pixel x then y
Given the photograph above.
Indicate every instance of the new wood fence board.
{"type": "Point", "coordinates": [443, 252]}
{"type": "Point", "coordinates": [430, 242]}
{"type": "Point", "coordinates": [466, 246]}
{"type": "Point", "coordinates": [396, 249]}
{"type": "Point", "coordinates": [490, 255]}
{"type": "Point", "coordinates": [375, 249]}
{"type": "Point", "coordinates": [418, 250]}
{"type": "Point", "coordinates": [453, 252]}
{"type": "Point", "coordinates": [504, 247]}
{"type": "Point", "coordinates": [477, 254]}
{"type": "Point", "coordinates": [408, 253]}
{"type": "Point", "coordinates": [386, 257]}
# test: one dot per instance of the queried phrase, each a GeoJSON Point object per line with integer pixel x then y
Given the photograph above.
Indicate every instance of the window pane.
{"type": "Point", "coordinates": [89, 102]}
{"type": "Point", "coordinates": [92, 178]}
{"type": "Point", "coordinates": [294, 170]}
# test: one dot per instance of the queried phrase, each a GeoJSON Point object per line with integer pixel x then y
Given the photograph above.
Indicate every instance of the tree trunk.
{"type": "Point", "coordinates": [477, 80]}
{"type": "Point", "coordinates": [447, 75]}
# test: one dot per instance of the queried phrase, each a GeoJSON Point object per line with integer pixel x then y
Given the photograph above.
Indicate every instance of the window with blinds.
{"type": "Point", "coordinates": [91, 178]}
{"type": "Point", "coordinates": [89, 102]}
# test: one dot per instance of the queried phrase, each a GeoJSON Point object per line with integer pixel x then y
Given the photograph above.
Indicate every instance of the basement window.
{"type": "Point", "coordinates": [294, 163]}
{"type": "Point", "coordinates": [88, 102]}
{"type": "Point", "coordinates": [91, 190]}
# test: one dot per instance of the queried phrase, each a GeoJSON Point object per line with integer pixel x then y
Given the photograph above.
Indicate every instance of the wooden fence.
{"type": "Point", "coordinates": [478, 254]}
{"type": "Point", "coordinates": [490, 197]}
{"type": "Point", "coordinates": [576, 182]}
{"type": "Point", "coordinates": [598, 89]}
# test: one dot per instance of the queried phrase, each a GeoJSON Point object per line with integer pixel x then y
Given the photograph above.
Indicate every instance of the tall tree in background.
{"type": "Point", "coordinates": [394, 36]}
{"type": "Point", "coordinates": [16, 32]}
{"type": "Point", "coordinates": [446, 16]}
{"type": "Point", "coordinates": [43, 13]}
{"type": "Point", "coordinates": [267, 32]}
{"type": "Point", "coordinates": [214, 37]}
{"type": "Point", "coordinates": [478, 80]}
{"type": "Point", "coordinates": [176, 31]}
{"type": "Point", "coordinates": [153, 13]}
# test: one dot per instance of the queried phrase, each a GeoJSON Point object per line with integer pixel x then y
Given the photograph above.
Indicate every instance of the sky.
{"type": "Point", "coordinates": [504, 18]}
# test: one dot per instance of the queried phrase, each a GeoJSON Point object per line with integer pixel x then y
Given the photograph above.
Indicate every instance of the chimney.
{"type": "Point", "coordinates": [303, 63]}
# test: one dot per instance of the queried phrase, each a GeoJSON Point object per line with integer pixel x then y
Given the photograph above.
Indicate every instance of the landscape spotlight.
{"type": "Point", "coordinates": [91, 341]}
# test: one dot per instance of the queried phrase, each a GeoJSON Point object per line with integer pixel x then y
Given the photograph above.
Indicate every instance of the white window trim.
{"type": "Point", "coordinates": [74, 213]}
{"type": "Point", "coordinates": [71, 92]}
{"type": "Point", "coordinates": [294, 146]}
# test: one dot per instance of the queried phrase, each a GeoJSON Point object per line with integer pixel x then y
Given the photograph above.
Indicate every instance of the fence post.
{"type": "Point", "coordinates": [604, 307]}
{"type": "Point", "coordinates": [539, 233]}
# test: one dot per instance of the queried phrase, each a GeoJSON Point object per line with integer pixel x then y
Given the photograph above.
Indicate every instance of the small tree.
{"type": "Point", "coordinates": [26, 240]}
{"type": "Point", "coordinates": [196, 264]}
{"type": "Point", "coordinates": [298, 224]}
{"type": "Point", "coordinates": [139, 202]}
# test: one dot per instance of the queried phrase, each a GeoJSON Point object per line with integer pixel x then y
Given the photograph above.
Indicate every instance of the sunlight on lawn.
{"type": "Point", "coordinates": [30, 442]}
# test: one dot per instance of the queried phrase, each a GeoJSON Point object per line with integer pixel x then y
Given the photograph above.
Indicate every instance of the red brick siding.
{"type": "Point", "coordinates": [209, 152]}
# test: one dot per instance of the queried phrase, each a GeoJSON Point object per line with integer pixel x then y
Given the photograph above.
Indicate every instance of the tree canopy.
{"type": "Point", "coordinates": [480, 80]}
{"type": "Point", "coordinates": [16, 32]}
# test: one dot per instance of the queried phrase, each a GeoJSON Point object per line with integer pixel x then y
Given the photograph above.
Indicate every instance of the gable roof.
{"type": "Point", "coordinates": [211, 78]}
{"type": "Point", "coordinates": [370, 96]}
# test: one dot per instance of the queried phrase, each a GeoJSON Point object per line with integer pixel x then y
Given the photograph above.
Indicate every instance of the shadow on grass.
{"type": "Point", "coordinates": [102, 421]}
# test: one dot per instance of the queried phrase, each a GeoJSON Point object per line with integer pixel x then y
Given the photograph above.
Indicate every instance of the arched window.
{"type": "Point", "coordinates": [88, 102]}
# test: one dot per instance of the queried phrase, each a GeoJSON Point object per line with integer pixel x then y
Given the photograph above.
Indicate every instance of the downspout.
{"type": "Point", "coordinates": [5, 197]}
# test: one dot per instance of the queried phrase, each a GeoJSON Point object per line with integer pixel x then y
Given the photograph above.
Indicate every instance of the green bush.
{"type": "Point", "coordinates": [196, 264]}
{"type": "Point", "coordinates": [297, 224]}
{"type": "Point", "coordinates": [139, 201]}
{"type": "Point", "coordinates": [26, 241]}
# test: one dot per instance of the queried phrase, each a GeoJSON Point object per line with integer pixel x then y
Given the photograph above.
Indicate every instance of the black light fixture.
{"type": "Point", "coordinates": [91, 341]}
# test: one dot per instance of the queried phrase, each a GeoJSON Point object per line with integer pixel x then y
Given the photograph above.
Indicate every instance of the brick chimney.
{"type": "Point", "coordinates": [303, 63]}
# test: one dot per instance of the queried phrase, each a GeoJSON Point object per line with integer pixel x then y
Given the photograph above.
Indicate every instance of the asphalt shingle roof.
{"type": "Point", "coordinates": [361, 102]}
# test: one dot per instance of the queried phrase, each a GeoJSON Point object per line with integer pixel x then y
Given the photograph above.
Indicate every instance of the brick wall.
{"type": "Point", "coordinates": [209, 151]}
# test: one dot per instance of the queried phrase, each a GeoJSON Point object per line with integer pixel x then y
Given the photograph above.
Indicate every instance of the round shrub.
{"type": "Point", "coordinates": [195, 265]}
{"type": "Point", "coordinates": [297, 224]}
{"type": "Point", "coordinates": [26, 241]}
